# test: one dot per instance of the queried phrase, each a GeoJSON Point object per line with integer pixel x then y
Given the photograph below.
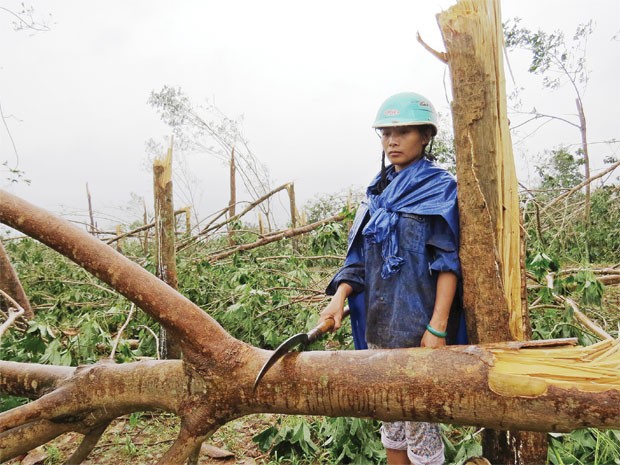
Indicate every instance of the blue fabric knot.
{"type": "Point", "coordinates": [391, 266]}
{"type": "Point", "coordinates": [381, 229]}
{"type": "Point", "coordinates": [422, 188]}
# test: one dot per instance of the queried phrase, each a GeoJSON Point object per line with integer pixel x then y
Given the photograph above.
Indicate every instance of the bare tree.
{"type": "Point", "coordinates": [205, 129]}
{"type": "Point", "coordinates": [560, 63]}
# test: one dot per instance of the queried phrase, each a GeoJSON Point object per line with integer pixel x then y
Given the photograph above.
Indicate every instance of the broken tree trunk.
{"type": "Point", "coordinates": [502, 386]}
{"type": "Point", "coordinates": [165, 230]}
{"type": "Point", "coordinates": [290, 188]}
{"type": "Point", "coordinates": [232, 203]}
{"type": "Point", "coordinates": [92, 227]}
{"type": "Point", "coordinates": [490, 250]}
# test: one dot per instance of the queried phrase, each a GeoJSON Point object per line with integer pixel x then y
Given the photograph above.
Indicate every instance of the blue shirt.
{"type": "Point", "coordinates": [398, 305]}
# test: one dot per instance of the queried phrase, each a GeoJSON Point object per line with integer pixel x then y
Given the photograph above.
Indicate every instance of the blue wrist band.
{"type": "Point", "coordinates": [434, 332]}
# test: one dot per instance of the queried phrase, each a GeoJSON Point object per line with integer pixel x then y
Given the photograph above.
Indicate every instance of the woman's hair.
{"type": "Point", "coordinates": [383, 181]}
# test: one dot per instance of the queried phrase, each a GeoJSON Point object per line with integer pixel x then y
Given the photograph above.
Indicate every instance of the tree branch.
{"type": "Point", "coordinates": [120, 332]}
{"type": "Point", "coordinates": [288, 233]}
{"type": "Point", "coordinates": [441, 56]}
{"type": "Point", "coordinates": [580, 185]}
{"type": "Point", "coordinates": [20, 440]}
{"type": "Point", "coordinates": [141, 228]}
{"type": "Point", "coordinates": [578, 314]}
{"type": "Point", "coordinates": [252, 205]}
{"type": "Point", "coordinates": [182, 448]}
{"type": "Point", "coordinates": [13, 316]}
{"type": "Point", "coordinates": [87, 445]}
{"type": "Point", "coordinates": [9, 281]}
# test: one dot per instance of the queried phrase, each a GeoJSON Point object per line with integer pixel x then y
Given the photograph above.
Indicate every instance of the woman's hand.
{"type": "Point", "coordinates": [335, 307]}
{"type": "Point", "coordinates": [432, 341]}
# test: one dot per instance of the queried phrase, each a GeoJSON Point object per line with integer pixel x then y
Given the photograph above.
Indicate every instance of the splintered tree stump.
{"type": "Point", "coordinates": [491, 250]}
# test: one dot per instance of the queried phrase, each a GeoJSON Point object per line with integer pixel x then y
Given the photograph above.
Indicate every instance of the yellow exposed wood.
{"type": "Point", "coordinates": [529, 372]}
{"type": "Point", "coordinates": [163, 166]}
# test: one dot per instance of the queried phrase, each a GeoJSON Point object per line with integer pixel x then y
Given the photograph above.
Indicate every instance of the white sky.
{"type": "Point", "coordinates": [307, 77]}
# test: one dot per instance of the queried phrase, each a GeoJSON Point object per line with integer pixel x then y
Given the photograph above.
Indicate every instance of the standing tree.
{"type": "Point", "coordinates": [559, 63]}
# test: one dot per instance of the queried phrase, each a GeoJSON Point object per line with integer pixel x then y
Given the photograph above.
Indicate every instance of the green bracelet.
{"type": "Point", "coordinates": [434, 332]}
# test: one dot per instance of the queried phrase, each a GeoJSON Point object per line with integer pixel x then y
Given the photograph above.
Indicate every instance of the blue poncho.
{"type": "Point", "coordinates": [383, 238]}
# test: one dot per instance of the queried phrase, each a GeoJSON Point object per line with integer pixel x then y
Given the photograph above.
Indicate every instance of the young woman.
{"type": "Point", "coordinates": [402, 268]}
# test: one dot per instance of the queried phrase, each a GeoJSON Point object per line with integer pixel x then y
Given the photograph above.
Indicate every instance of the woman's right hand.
{"type": "Point", "coordinates": [335, 308]}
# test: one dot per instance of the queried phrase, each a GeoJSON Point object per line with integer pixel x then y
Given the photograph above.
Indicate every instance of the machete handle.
{"type": "Point", "coordinates": [324, 327]}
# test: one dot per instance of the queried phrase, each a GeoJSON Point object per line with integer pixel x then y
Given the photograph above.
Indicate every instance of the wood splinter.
{"type": "Point", "coordinates": [442, 56]}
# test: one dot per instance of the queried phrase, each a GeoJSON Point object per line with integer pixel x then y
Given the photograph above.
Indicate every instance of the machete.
{"type": "Point", "coordinates": [301, 338]}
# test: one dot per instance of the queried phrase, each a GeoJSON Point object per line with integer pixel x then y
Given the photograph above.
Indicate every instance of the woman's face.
{"type": "Point", "coordinates": [403, 145]}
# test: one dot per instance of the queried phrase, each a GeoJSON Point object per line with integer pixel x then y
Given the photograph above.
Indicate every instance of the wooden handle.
{"type": "Point", "coordinates": [324, 327]}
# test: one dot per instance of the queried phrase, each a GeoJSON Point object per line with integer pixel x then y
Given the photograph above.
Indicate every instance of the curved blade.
{"type": "Point", "coordinates": [280, 352]}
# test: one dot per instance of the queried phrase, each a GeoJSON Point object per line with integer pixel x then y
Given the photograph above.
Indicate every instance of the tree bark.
{"type": "Point", "coordinates": [490, 250]}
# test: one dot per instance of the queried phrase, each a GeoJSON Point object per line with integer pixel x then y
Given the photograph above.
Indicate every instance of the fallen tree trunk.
{"type": "Point", "coordinates": [489, 386]}
{"type": "Point", "coordinates": [463, 385]}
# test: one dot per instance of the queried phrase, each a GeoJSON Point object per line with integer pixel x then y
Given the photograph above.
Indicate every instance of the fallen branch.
{"type": "Point", "coordinates": [578, 314]}
{"type": "Point", "coordinates": [89, 442]}
{"type": "Point", "coordinates": [606, 276]}
{"type": "Point", "coordinates": [299, 257]}
{"type": "Point", "coordinates": [610, 280]}
{"type": "Point", "coordinates": [78, 283]}
{"type": "Point", "coordinates": [580, 185]}
{"type": "Point", "coordinates": [156, 339]}
{"type": "Point", "coordinates": [13, 315]}
{"type": "Point", "coordinates": [209, 228]}
{"type": "Point", "coordinates": [294, 300]}
{"type": "Point", "coordinates": [141, 228]}
{"type": "Point", "coordinates": [15, 312]}
{"type": "Point", "coordinates": [120, 332]}
{"type": "Point", "coordinates": [288, 233]}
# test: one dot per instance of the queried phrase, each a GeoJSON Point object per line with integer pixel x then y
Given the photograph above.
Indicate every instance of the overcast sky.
{"type": "Point", "coordinates": [306, 77]}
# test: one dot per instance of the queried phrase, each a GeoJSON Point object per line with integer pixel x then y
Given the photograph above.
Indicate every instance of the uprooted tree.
{"type": "Point", "coordinates": [534, 386]}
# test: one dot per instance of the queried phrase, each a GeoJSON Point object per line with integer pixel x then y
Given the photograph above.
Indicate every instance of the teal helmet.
{"type": "Point", "coordinates": [406, 109]}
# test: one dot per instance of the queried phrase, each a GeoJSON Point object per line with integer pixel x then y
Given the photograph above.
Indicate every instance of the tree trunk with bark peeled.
{"type": "Point", "coordinates": [491, 248]}
{"type": "Point", "coordinates": [165, 230]}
